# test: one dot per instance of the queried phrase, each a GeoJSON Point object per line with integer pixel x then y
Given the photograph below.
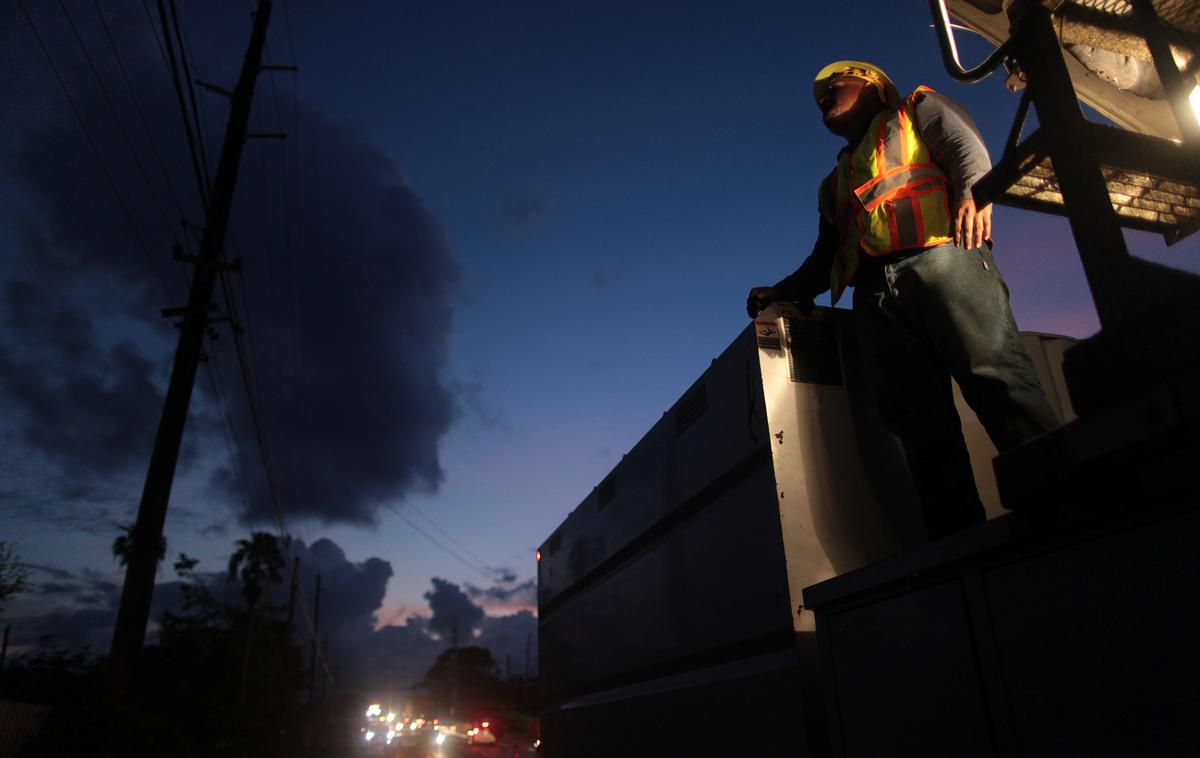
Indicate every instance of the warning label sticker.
{"type": "Point", "coordinates": [767, 333]}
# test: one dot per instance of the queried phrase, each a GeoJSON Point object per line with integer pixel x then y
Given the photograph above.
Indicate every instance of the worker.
{"type": "Point", "coordinates": [898, 223]}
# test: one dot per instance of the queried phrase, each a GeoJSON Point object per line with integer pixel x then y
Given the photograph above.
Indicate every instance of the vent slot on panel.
{"type": "Point", "coordinates": [554, 543]}
{"type": "Point", "coordinates": [606, 492]}
{"type": "Point", "coordinates": [690, 408]}
{"type": "Point", "coordinates": [813, 352]}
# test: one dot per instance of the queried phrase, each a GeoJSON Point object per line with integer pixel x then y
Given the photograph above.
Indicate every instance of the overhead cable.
{"type": "Point", "coordinates": [99, 155]}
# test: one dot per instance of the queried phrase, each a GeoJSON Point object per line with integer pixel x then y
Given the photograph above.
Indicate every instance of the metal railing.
{"type": "Point", "coordinates": [945, 35]}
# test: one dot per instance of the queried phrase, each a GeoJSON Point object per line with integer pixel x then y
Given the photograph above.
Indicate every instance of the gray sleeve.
{"type": "Point", "coordinates": [953, 139]}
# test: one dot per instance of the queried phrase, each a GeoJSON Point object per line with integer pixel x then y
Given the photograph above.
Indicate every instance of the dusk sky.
{"type": "Point", "coordinates": [500, 240]}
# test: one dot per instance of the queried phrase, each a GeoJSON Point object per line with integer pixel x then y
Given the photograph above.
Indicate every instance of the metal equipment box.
{"type": "Point", "coordinates": [670, 600]}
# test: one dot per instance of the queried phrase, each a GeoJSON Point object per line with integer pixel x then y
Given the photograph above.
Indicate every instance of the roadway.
{"type": "Point", "coordinates": [453, 748]}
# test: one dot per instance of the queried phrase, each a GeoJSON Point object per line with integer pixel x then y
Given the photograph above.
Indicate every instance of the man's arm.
{"type": "Point", "coordinates": [957, 147]}
{"type": "Point", "coordinates": [806, 282]}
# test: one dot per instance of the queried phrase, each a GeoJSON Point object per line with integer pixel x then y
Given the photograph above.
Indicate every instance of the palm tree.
{"type": "Point", "coordinates": [255, 560]}
{"type": "Point", "coordinates": [122, 546]}
{"type": "Point", "coordinates": [14, 576]}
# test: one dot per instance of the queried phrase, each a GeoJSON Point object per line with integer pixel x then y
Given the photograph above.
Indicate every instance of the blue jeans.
{"type": "Point", "coordinates": [923, 318]}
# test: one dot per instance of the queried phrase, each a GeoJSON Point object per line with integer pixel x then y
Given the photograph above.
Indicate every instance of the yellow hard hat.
{"type": "Point", "coordinates": [868, 72]}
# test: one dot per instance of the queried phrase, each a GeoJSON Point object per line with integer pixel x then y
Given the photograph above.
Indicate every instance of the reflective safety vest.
{"type": "Point", "coordinates": [886, 194]}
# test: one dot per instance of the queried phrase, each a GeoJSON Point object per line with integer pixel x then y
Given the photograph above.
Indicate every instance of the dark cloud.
{"type": "Point", "coordinates": [57, 512]}
{"type": "Point", "coordinates": [472, 398]}
{"type": "Point", "coordinates": [52, 571]}
{"type": "Point", "coordinates": [453, 611]}
{"type": "Point", "coordinates": [215, 529]}
{"type": "Point", "coordinates": [68, 629]}
{"type": "Point", "coordinates": [364, 656]}
{"type": "Point", "coordinates": [344, 294]}
{"type": "Point", "coordinates": [59, 588]}
{"type": "Point", "coordinates": [361, 657]}
{"type": "Point", "coordinates": [506, 592]}
{"type": "Point", "coordinates": [399, 655]}
{"type": "Point", "coordinates": [87, 407]}
{"type": "Point", "coordinates": [85, 616]}
{"type": "Point", "coordinates": [355, 350]}
{"type": "Point", "coordinates": [395, 657]}
{"type": "Point", "coordinates": [88, 600]}
{"type": "Point", "coordinates": [351, 593]}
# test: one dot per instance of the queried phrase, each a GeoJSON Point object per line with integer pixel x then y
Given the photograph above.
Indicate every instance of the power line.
{"type": "Point", "coordinates": [264, 455]}
{"type": "Point", "coordinates": [129, 633]}
{"type": "Point", "coordinates": [239, 322]}
{"type": "Point", "coordinates": [287, 23]}
{"type": "Point", "coordinates": [292, 247]}
{"type": "Point", "coordinates": [99, 156]}
{"type": "Point", "coordinates": [273, 492]}
{"type": "Point", "coordinates": [142, 117]}
{"type": "Point", "coordinates": [137, 160]}
{"type": "Point", "coordinates": [157, 39]}
{"type": "Point", "coordinates": [297, 259]}
{"type": "Point", "coordinates": [183, 59]}
{"type": "Point", "coordinates": [450, 537]}
{"type": "Point", "coordinates": [482, 569]}
{"type": "Point", "coordinates": [198, 167]}
{"type": "Point", "coordinates": [228, 432]}
{"type": "Point", "coordinates": [470, 560]}
{"type": "Point", "coordinates": [248, 372]}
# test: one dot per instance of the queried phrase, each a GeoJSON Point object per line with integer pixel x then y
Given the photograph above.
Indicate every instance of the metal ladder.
{"type": "Point", "coordinates": [1139, 377]}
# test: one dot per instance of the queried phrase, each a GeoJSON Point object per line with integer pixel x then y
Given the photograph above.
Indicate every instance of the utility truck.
{"type": "Point", "coordinates": [751, 579]}
{"type": "Point", "coordinates": [671, 614]}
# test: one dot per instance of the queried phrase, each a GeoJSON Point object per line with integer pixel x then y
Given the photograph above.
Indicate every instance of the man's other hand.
{"type": "Point", "coordinates": [759, 298]}
{"type": "Point", "coordinates": [971, 226]}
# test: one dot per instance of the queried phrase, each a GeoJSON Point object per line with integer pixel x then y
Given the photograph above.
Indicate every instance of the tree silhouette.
{"type": "Point", "coordinates": [14, 577]}
{"type": "Point", "coordinates": [255, 560]}
{"type": "Point", "coordinates": [464, 679]}
{"type": "Point", "coordinates": [122, 546]}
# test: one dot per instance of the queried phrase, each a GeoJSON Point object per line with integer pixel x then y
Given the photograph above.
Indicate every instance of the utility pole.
{"type": "Point", "coordinates": [130, 632]}
{"type": "Point", "coordinates": [285, 659]}
{"type": "Point", "coordinates": [454, 673]}
{"type": "Point", "coordinates": [312, 722]}
{"type": "Point", "coordinates": [4, 647]}
{"type": "Point", "coordinates": [528, 660]}
{"type": "Point", "coordinates": [316, 642]}
{"type": "Point", "coordinates": [328, 686]}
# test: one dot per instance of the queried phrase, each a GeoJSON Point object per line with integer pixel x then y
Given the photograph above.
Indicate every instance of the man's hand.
{"type": "Point", "coordinates": [759, 298]}
{"type": "Point", "coordinates": [971, 226]}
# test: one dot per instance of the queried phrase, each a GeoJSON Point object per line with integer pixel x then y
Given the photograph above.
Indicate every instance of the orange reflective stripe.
{"type": "Point", "coordinates": [918, 92]}
{"type": "Point", "coordinates": [867, 192]}
{"type": "Point", "coordinates": [892, 230]}
{"type": "Point", "coordinates": [920, 216]}
{"type": "Point", "coordinates": [915, 196]}
{"type": "Point", "coordinates": [888, 194]}
{"type": "Point", "coordinates": [883, 187]}
{"type": "Point", "coordinates": [881, 147]}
